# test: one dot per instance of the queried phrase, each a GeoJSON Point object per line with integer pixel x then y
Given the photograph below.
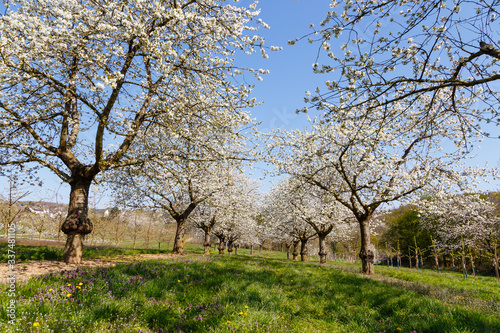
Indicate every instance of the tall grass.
{"type": "Point", "coordinates": [243, 294]}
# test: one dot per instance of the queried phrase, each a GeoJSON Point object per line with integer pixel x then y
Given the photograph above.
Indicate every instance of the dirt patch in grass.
{"type": "Point", "coordinates": [46, 242]}
{"type": "Point", "coordinates": [26, 270]}
{"type": "Point", "coordinates": [29, 269]}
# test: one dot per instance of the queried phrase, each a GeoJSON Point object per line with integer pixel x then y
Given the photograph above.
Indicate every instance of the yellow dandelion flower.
{"type": "Point", "coordinates": [241, 313]}
{"type": "Point", "coordinates": [80, 284]}
{"type": "Point", "coordinates": [399, 328]}
{"type": "Point", "coordinates": [245, 313]}
{"type": "Point", "coordinates": [35, 324]}
{"type": "Point", "coordinates": [246, 306]}
{"type": "Point", "coordinates": [178, 280]}
{"type": "Point", "coordinates": [432, 314]}
{"type": "Point", "coordinates": [69, 284]}
{"type": "Point", "coordinates": [78, 287]}
{"type": "Point", "coordinates": [50, 289]}
{"type": "Point", "coordinates": [68, 295]}
{"type": "Point", "coordinates": [228, 322]}
{"type": "Point", "coordinates": [282, 317]}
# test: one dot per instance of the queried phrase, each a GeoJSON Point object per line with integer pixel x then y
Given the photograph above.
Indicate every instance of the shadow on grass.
{"type": "Point", "coordinates": [249, 294]}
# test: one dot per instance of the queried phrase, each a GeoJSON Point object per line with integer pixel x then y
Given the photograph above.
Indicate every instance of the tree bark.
{"type": "Point", "coordinates": [288, 246]}
{"type": "Point", "coordinates": [260, 248]}
{"type": "Point", "coordinates": [322, 248]}
{"type": "Point", "coordinates": [366, 254]}
{"type": "Point", "coordinates": [77, 224]}
{"type": "Point", "coordinates": [295, 252]}
{"type": "Point", "coordinates": [221, 245]}
{"type": "Point", "coordinates": [236, 250]}
{"type": "Point", "coordinates": [464, 264]}
{"type": "Point", "coordinates": [73, 250]}
{"type": "Point", "coordinates": [251, 249]}
{"type": "Point", "coordinates": [179, 236]}
{"type": "Point", "coordinates": [409, 256]}
{"type": "Point", "coordinates": [207, 244]}
{"type": "Point", "coordinates": [496, 264]}
{"type": "Point", "coordinates": [303, 249]}
{"type": "Point", "coordinates": [472, 264]}
{"type": "Point", "coordinates": [230, 247]}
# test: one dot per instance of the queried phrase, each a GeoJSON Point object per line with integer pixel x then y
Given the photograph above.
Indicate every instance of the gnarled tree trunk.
{"type": "Point", "coordinates": [366, 254]}
{"type": "Point", "coordinates": [230, 247]}
{"type": "Point", "coordinates": [303, 249]}
{"type": "Point", "coordinates": [179, 236]}
{"type": "Point", "coordinates": [295, 252]}
{"type": "Point", "coordinates": [206, 244]}
{"type": "Point", "coordinates": [77, 224]}
{"type": "Point", "coordinates": [322, 248]}
{"type": "Point", "coordinates": [222, 245]}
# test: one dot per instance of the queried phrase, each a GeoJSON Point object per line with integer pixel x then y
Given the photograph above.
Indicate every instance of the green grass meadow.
{"type": "Point", "coordinates": [259, 293]}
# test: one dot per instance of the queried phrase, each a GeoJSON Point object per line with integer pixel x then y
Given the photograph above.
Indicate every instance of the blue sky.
{"type": "Point", "coordinates": [283, 89]}
{"type": "Point", "coordinates": [291, 75]}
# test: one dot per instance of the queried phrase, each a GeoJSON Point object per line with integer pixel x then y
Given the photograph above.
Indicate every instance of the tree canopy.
{"type": "Point", "coordinates": [432, 53]}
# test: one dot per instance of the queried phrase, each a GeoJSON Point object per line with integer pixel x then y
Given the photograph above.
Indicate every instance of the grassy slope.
{"type": "Point", "coordinates": [253, 294]}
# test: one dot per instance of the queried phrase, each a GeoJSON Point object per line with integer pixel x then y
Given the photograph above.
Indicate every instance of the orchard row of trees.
{"type": "Point", "coordinates": [146, 97]}
{"type": "Point", "coordinates": [457, 231]}
{"type": "Point", "coordinates": [88, 87]}
{"type": "Point", "coordinates": [461, 232]}
{"type": "Point", "coordinates": [143, 228]}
